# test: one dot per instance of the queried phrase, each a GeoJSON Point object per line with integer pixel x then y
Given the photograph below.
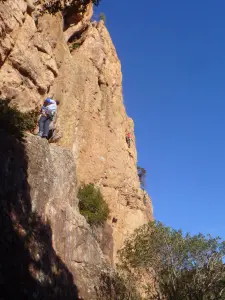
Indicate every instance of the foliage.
{"type": "Point", "coordinates": [142, 176]}
{"type": "Point", "coordinates": [16, 122]}
{"type": "Point", "coordinates": [79, 6]}
{"type": "Point", "coordinates": [75, 45]}
{"type": "Point", "coordinates": [92, 205]}
{"type": "Point", "coordinates": [116, 286]}
{"type": "Point", "coordinates": [102, 17]}
{"type": "Point", "coordinates": [186, 267]}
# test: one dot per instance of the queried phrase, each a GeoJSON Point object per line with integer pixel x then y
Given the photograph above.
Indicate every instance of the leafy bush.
{"type": "Point", "coordinates": [75, 45]}
{"type": "Point", "coordinates": [92, 205]}
{"type": "Point", "coordinates": [186, 267]}
{"type": "Point", "coordinates": [16, 122]}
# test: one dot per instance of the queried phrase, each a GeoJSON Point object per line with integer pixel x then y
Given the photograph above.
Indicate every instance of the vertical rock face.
{"type": "Point", "coordinates": [36, 61]}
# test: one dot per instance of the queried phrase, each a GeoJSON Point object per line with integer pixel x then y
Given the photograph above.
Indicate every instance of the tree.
{"type": "Point", "coordinates": [186, 267]}
{"type": "Point", "coordinates": [142, 175]}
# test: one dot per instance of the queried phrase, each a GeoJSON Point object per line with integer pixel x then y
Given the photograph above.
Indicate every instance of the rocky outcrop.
{"type": "Point", "coordinates": [77, 22]}
{"type": "Point", "coordinates": [37, 61]}
{"type": "Point", "coordinates": [28, 68]}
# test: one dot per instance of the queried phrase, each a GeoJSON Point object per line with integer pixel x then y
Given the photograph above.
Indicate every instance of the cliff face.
{"type": "Point", "coordinates": [36, 60]}
{"type": "Point", "coordinates": [27, 64]}
{"type": "Point", "coordinates": [94, 127]}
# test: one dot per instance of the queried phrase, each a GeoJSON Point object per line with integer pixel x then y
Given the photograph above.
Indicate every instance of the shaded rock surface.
{"type": "Point", "coordinates": [35, 61]}
{"type": "Point", "coordinates": [52, 180]}
{"type": "Point", "coordinates": [47, 248]}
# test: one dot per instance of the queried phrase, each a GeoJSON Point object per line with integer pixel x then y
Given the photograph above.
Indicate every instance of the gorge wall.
{"type": "Point", "coordinates": [77, 65]}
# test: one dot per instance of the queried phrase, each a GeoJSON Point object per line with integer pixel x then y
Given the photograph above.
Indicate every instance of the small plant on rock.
{"type": "Point", "coordinates": [75, 46]}
{"type": "Point", "coordinates": [92, 205]}
{"type": "Point", "coordinates": [102, 17]}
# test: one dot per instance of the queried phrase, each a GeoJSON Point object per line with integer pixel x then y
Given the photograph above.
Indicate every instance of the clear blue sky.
{"type": "Point", "coordinates": [173, 61]}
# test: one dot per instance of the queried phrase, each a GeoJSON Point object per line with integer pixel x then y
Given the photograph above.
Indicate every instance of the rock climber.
{"type": "Point", "coordinates": [128, 139]}
{"type": "Point", "coordinates": [48, 112]}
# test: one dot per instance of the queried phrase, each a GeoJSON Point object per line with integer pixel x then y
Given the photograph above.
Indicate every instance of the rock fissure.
{"type": "Point", "coordinates": [41, 49]}
{"type": "Point", "coordinates": [24, 72]}
{"type": "Point", "coordinates": [50, 68]}
{"type": "Point", "coordinates": [6, 54]}
{"type": "Point", "coordinates": [17, 20]}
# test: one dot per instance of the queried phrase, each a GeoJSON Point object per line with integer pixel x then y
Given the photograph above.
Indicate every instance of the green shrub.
{"type": "Point", "coordinates": [92, 205]}
{"type": "Point", "coordinates": [102, 17]}
{"type": "Point", "coordinates": [16, 122]}
{"type": "Point", "coordinates": [75, 46]}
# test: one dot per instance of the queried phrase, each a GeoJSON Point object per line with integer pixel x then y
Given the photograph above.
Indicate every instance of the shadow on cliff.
{"type": "Point", "coordinates": [29, 266]}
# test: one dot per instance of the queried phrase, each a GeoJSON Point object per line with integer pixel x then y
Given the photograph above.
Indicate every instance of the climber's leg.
{"type": "Point", "coordinates": [46, 127]}
{"type": "Point", "coordinates": [41, 123]}
{"type": "Point", "coordinates": [128, 142]}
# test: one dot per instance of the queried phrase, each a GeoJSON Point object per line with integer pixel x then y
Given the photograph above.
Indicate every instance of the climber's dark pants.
{"type": "Point", "coordinates": [44, 123]}
{"type": "Point", "coordinates": [128, 141]}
